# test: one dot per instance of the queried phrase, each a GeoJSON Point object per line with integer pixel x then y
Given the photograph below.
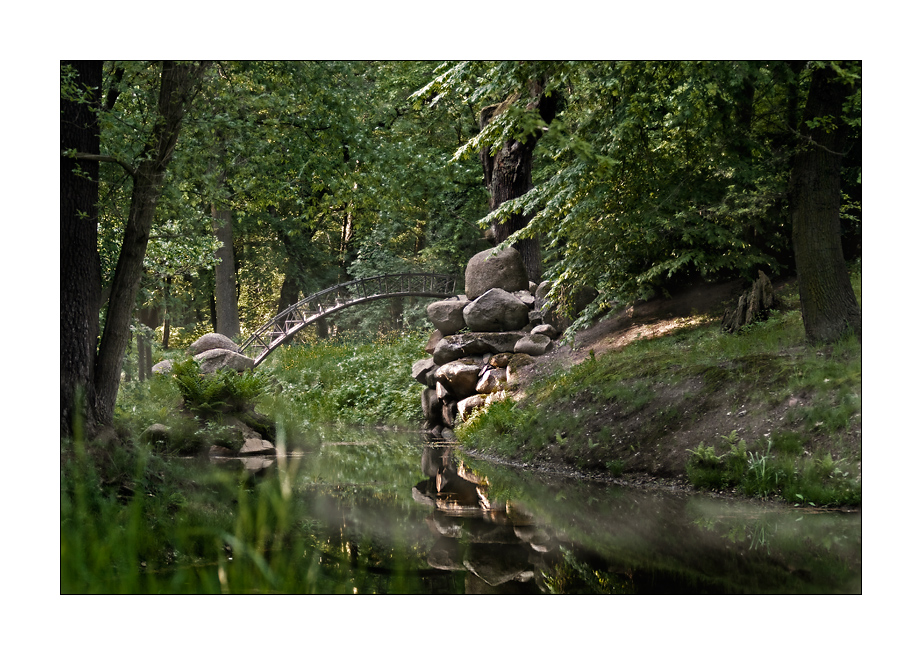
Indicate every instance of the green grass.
{"type": "Point", "coordinates": [349, 381]}
{"type": "Point", "coordinates": [766, 472]}
{"type": "Point", "coordinates": [599, 413]}
{"type": "Point", "coordinates": [133, 521]}
{"type": "Point", "coordinates": [143, 524]}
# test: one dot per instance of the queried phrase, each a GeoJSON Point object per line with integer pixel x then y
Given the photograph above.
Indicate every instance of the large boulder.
{"type": "Point", "coordinates": [526, 297]}
{"type": "Point", "coordinates": [221, 358]}
{"type": "Point", "coordinates": [421, 369]}
{"type": "Point", "coordinates": [547, 330]}
{"type": "Point", "coordinates": [256, 446]}
{"type": "Point", "coordinates": [467, 406]}
{"type": "Point", "coordinates": [433, 340]}
{"type": "Point", "coordinates": [533, 344]}
{"type": "Point", "coordinates": [515, 365]}
{"type": "Point", "coordinates": [457, 346]}
{"type": "Point", "coordinates": [496, 310]}
{"type": "Point", "coordinates": [491, 380]}
{"type": "Point", "coordinates": [158, 435]}
{"type": "Point", "coordinates": [211, 341]}
{"type": "Point", "coordinates": [459, 378]}
{"type": "Point", "coordinates": [495, 269]}
{"type": "Point", "coordinates": [432, 406]}
{"type": "Point", "coordinates": [447, 315]}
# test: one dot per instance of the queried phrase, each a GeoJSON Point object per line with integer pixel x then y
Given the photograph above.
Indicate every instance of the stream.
{"type": "Point", "coordinates": [394, 513]}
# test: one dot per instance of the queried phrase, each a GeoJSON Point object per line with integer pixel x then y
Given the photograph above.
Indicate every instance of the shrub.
{"type": "Point", "coordinates": [220, 392]}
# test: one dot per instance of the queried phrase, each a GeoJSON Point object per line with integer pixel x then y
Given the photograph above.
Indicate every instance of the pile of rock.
{"type": "Point", "coordinates": [482, 339]}
{"type": "Point", "coordinates": [213, 352]}
{"type": "Point", "coordinates": [241, 434]}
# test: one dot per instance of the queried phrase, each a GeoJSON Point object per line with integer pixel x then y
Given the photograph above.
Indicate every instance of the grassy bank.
{"type": "Point", "coordinates": [759, 412]}
{"type": "Point", "coordinates": [138, 521]}
{"type": "Point", "coordinates": [182, 526]}
{"type": "Point", "coordinates": [349, 380]}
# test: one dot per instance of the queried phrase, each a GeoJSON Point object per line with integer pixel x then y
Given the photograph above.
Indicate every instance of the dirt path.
{"type": "Point", "coordinates": [644, 320]}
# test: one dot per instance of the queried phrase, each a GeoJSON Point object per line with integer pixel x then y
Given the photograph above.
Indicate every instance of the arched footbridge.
{"type": "Point", "coordinates": [285, 325]}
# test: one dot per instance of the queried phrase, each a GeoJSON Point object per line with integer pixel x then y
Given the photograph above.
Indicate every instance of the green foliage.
{"type": "Point", "coordinates": [817, 480]}
{"type": "Point", "coordinates": [325, 166]}
{"type": "Point", "coordinates": [225, 391]}
{"type": "Point", "coordinates": [349, 380]}
{"type": "Point", "coordinates": [500, 426]}
{"type": "Point", "coordinates": [154, 531]}
{"type": "Point", "coordinates": [706, 469]}
{"type": "Point", "coordinates": [651, 171]}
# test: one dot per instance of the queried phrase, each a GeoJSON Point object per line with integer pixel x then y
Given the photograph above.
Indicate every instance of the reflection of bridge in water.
{"type": "Point", "coordinates": [282, 327]}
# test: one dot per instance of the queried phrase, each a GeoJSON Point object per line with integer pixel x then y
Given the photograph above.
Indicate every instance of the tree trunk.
{"type": "Point", "coordinates": [827, 299]}
{"type": "Point", "coordinates": [228, 319]}
{"type": "Point", "coordinates": [507, 175]}
{"type": "Point", "coordinates": [143, 367]}
{"type": "Point", "coordinates": [288, 296]}
{"type": "Point", "coordinates": [177, 85]}
{"type": "Point", "coordinates": [165, 344]}
{"type": "Point", "coordinates": [149, 318]}
{"type": "Point", "coordinates": [80, 269]}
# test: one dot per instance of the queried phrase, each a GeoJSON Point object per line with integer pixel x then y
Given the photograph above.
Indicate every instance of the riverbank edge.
{"type": "Point", "coordinates": [751, 422]}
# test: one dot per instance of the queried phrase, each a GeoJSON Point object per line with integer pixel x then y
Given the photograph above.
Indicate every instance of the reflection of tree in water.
{"type": "Point", "coordinates": [498, 544]}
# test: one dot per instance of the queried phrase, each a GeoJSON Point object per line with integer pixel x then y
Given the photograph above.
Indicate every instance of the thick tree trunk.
{"type": "Point", "coordinates": [288, 296]}
{"type": "Point", "coordinates": [177, 84]}
{"type": "Point", "coordinates": [507, 175]}
{"type": "Point", "coordinates": [225, 275]}
{"type": "Point", "coordinates": [827, 300]}
{"type": "Point", "coordinates": [80, 269]}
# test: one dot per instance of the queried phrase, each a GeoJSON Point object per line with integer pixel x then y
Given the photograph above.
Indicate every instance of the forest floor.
{"type": "Point", "coordinates": [756, 396]}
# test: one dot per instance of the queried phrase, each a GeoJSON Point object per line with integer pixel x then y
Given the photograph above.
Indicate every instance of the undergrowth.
{"type": "Point", "coordinates": [598, 414]}
{"type": "Point", "coordinates": [349, 381]}
{"type": "Point", "coordinates": [146, 524]}
{"type": "Point", "coordinates": [797, 478]}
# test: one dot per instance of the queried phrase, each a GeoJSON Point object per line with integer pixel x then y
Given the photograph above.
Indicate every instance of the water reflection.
{"type": "Point", "coordinates": [498, 544]}
{"type": "Point", "coordinates": [394, 514]}
{"type": "Point", "coordinates": [569, 536]}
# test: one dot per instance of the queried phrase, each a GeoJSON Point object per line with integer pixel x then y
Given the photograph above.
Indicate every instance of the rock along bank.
{"type": "Point", "coordinates": [484, 338]}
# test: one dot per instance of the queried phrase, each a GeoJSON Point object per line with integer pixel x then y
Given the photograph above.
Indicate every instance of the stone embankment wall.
{"type": "Point", "coordinates": [483, 339]}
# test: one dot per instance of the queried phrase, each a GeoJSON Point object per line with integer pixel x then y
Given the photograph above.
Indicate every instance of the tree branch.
{"type": "Point", "coordinates": [107, 159]}
{"type": "Point", "coordinates": [809, 139]}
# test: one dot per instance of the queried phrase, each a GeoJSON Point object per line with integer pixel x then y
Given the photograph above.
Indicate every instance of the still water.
{"type": "Point", "coordinates": [395, 506]}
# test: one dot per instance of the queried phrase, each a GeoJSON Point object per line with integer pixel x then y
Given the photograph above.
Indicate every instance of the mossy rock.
{"type": "Point", "coordinates": [519, 361]}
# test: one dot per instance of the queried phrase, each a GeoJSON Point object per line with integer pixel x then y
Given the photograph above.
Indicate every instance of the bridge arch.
{"type": "Point", "coordinates": [282, 327]}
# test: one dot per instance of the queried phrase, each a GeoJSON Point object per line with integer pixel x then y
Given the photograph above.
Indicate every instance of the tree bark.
{"type": "Point", "coordinates": [827, 300]}
{"type": "Point", "coordinates": [288, 295]}
{"type": "Point", "coordinates": [507, 175]}
{"type": "Point", "coordinates": [148, 317]}
{"type": "Point", "coordinates": [142, 362]}
{"type": "Point", "coordinates": [165, 344]}
{"type": "Point", "coordinates": [228, 319]}
{"type": "Point", "coordinates": [80, 268]}
{"type": "Point", "coordinates": [177, 85]}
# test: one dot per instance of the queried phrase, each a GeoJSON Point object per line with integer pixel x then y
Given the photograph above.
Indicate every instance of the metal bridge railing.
{"type": "Point", "coordinates": [286, 324]}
